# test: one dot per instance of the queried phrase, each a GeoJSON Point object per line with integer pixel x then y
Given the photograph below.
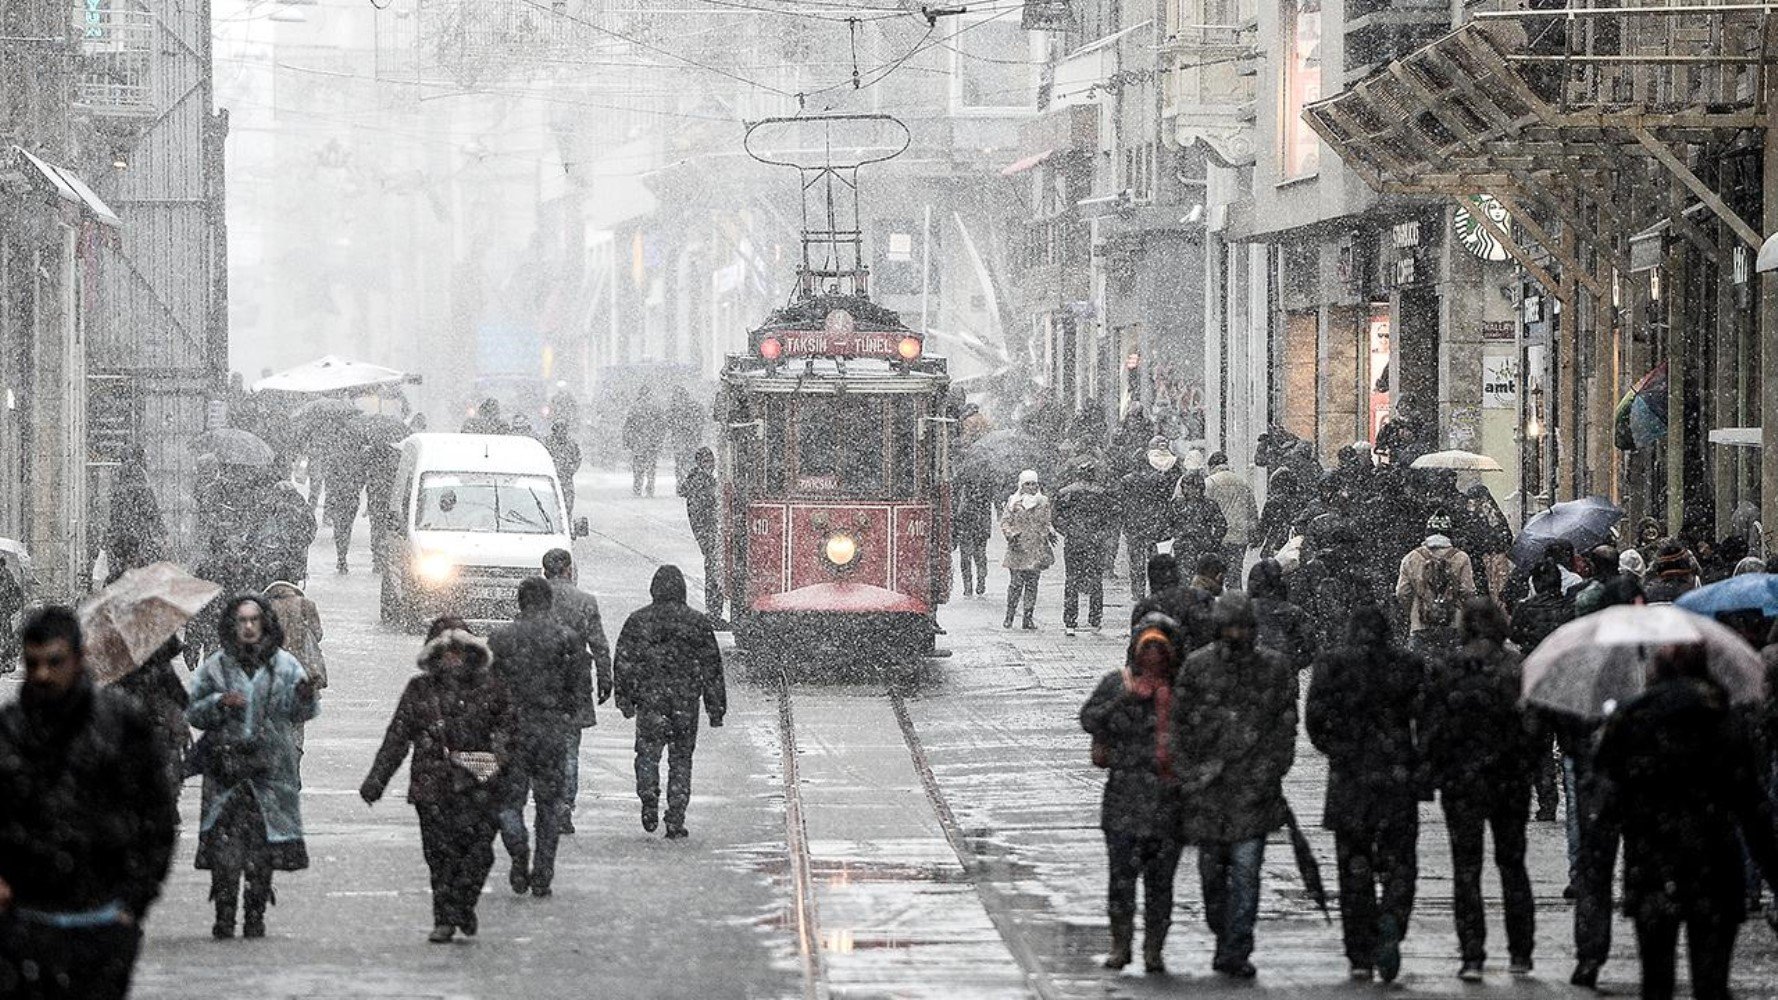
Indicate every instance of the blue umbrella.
{"type": "Point", "coordinates": [1748, 592]}
{"type": "Point", "coordinates": [1584, 523]}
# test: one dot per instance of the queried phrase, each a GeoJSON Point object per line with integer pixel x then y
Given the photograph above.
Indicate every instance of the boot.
{"type": "Point", "coordinates": [1123, 932]}
{"type": "Point", "coordinates": [257, 894]}
{"type": "Point", "coordinates": [1154, 942]}
{"type": "Point", "coordinates": [224, 896]}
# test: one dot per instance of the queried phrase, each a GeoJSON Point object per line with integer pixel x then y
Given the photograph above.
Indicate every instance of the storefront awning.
{"type": "Point", "coordinates": [1537, 108]}
{"type": "Point", "coordinates": [68, 186]}
{"type": "Point", "coordinates": [1025, 164]}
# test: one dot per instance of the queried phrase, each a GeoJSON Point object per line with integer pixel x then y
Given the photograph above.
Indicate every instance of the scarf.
{"type": "Point", "coordinates": [1149, 685]}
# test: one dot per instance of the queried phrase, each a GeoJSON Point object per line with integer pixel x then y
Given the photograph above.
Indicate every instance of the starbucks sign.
{"type": "Point", "coordinates": [1471, 234]}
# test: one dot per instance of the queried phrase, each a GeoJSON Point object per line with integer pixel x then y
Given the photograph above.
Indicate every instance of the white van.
{"type": "Point", "coordinates": [476, 514]}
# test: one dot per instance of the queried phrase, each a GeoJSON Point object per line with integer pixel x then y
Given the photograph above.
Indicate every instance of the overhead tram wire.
{"type": "Point", "coordinates": [648, 46]}
{"type": "Point", "coordinates": [925, 43]}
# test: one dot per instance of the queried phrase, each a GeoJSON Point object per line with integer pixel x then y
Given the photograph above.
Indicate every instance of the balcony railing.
{"type": "Point", "coordinates": [115, 72]}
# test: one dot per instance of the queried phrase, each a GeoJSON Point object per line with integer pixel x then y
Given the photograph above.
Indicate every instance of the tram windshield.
{"type": "Point", "coordinates": [854, 448]}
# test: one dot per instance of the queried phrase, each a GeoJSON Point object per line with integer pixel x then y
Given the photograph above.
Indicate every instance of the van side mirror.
{"type": "Point", "coordinates": [582, 528]}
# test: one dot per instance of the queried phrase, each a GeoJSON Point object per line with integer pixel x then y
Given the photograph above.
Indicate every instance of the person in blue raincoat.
{"type": "Point", "coordinates": [250, 697]}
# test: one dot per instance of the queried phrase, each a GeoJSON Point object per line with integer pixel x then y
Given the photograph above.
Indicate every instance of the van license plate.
{"type": "Point", "coordinates": [490, 593]}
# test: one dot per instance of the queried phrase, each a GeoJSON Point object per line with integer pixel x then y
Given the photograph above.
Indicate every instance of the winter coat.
{"type": "Point", "coordinates": [1147, 495]}
{"type": "Point", "coordinates": [1138, 801]}
{"type": "Point", "coordinates": [702, 501]}
{"type": "Point", "coordinates": [135, 534]}
{"type": "Point", "coordinates": [1668, 587]}
{"type": "Point", "coordinates": [1538, 616]}
{"type": "Point", "coordinates": [1027, 531]}
{"type": "Point", "coordinates": [439, 713]}
{"type": "Point", "coordinates": [273, 712]}
{"type": "Point", "coordinates": [1234, 498]}
{"type": "Point", "coordinates": [667, 657]}
{"type": "Point", "coordinates": [1287, 629]}
{"type": "Point", "coordinates": [282, 538]}
{"type": "Point", "coordinates": [1198, 527]}
{"type": "Point", "coordinates": [972, 508]}
{"type": "Point", "coordinates": [548, 674]}
{"type": "Point", "coordinates": [578, 612]}
{"type": "Point", "coordinates": [1364, 712]}
{"type": "Point", "coordinates": [1479, 745]}
{"type": "Point", "coordinates": [1682, 784]}
{"type": "Point", "coordinates": [157, 690]}
{"type": "Point", "coordinates": [300, 621]}
{"type": "Point", "coordinates": [87, 808]}
{"type": "Point", "coordinates": [1285, 502]}
{"type": "Point", "coordinates": [644, 429]}
{"type": "Point", "coordinates": [1234, 740]}
{"type": "Point", "coordinates": [1413, 585]}
{"type": "Point", "coordinates": [564, 453]}
{"type": "Point", "coordinates": [1086, 514]}
{"type": "Point", "coordinates": [1186, 605]}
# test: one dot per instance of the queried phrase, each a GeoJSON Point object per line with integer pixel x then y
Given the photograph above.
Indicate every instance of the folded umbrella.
{"type": "Point", "coordinates": [1307, 865]}
{"type": "Point", "coordinates": [127, 621]}
{"type": "Point", "coordinates": [1591, 665]}
{"type": "Point", "coordinates": [1747, 592]}
{"type": "Point", "coordinates": [1584, 523]}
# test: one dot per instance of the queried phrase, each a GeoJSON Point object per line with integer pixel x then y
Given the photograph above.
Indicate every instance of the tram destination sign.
{"type": "Point", "coordinates": [839, 344]}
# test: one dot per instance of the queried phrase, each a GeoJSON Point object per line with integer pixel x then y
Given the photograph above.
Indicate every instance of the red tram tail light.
{"type": "Point", "coordinates": [771, 348]}
{"type": "Point", "coordinates": [909, 348]}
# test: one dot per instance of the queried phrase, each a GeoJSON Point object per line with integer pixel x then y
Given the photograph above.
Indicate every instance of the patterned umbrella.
{"type": "Point", "coordinates": [1641, 417]}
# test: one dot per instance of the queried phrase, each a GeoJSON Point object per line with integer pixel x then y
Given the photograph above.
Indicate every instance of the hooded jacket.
{"type": "Point", "coordinates": [300, 621]}
{"type": "Point", "coordinates": [667, 657]}
{"type": "Point", "coordinates": [441, 712]}
{"type": "Point", "coordinates": [1140, 800]}
{"type": "Point", "coordinates": [1234, 735]}
{"type": "Point", "coordinates": [1364, 711]}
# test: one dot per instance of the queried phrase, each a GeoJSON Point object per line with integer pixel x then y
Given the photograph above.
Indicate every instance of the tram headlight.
{"type": "Point", "coordinates": [840, 549]}
{"type": "Point", "coordinates": [909, 348]}
{"type": "Point", "coordinates": [770, 348]}
{"type": "Point", "coordinates": [435, 569]}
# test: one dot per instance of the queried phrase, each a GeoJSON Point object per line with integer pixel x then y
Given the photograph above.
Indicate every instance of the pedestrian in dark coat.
{"type": "Point", "coordinates": [158, 691]}
{"type": "Point", "coordinates": [87, 824]}
{"type": "Point", "coordinates": [250, 697]}
{"type": "Point", "coordinates": [973, 503]}
{"type": "Point", "coordinates": [1147, 501]}
{"type": "Point", "coordinates": [564, 453]}
{"type": "Point", "coordinates": [346, 473]}
{"type": "Point", "coordinates": [578, 612]}
{"type": "Point", "coordinates": [667, 662]}
{"type": "Point", "coordinates": [1364, 712]}
{"type": "Point", "coordinates": [686, 424]}
{"type": "Point", "coordinates": [1283, 626]}
{"type": "Point", "coordinates": [280, 542]}
{"type": "Point", "coordinates": [1130, 717]}
{"type": "Point", "coordinates": [1286, 499]}
{"type": "Point", "coordinates": [1535, 619]}
{"type": "Point", "coordinates": [1085, 512]}
{"type": "Point", "coordinates": [135, 535]}
{"type": "Point", "coordinates": [548, 675]}
{"type": "Point", "coordinates": [645, 427]}
{"type": "Point", "coordinates": [457, 720]}
{"type": "Point", "coordinates": [486, 420]}
{"type": "Point", "coordinates": [1683, 785]}
{"type": "Point", "coordinates": [1198, 523]}
{"type": "Point", "coordinates": [702, 493]}
{"type": "Point", "coordinates": [1234, 740]}
{"type": "Point", "coordinates": [1180, 602]}
{"type": "Point", "coordinates": [1481, 753]}
{"type": "Point", "coordinates": [1672, 574]}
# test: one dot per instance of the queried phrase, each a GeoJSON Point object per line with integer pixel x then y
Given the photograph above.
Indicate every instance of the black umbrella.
{"type": "Point", "coordinates": [1306, 863]}
{"type": "Point", "coordinates": [233, 446]}
{"type": "Point", "coordinates": [1583, 523]}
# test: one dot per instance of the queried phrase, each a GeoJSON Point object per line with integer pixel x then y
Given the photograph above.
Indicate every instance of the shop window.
{"type": "Point", "coordinates": [1297, 388]}
{"type": "Point", "coordinates": [1300, 155]}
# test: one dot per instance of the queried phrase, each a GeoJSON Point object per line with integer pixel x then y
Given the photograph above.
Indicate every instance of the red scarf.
{"type": "Point", "coordinates": [1149, 676]}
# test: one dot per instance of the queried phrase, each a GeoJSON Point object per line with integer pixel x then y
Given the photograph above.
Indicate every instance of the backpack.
{"type": "Point", "coordinates": [1439, 608]}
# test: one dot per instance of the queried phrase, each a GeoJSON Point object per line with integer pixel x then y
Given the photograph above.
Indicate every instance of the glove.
{"type": "Point", "coordinates": [716, 722]}
{"type": "Point", "coordinates": [370, 792]}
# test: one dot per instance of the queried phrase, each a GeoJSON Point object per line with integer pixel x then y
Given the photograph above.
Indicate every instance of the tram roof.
{"type": "Point", "coordinates": [810, 313]}
{"type": "Point", "coordinates": [827, 376]}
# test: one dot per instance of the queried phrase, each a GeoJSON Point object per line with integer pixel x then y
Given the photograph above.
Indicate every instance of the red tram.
{"type": "Point", "coordinates": [835, 463]}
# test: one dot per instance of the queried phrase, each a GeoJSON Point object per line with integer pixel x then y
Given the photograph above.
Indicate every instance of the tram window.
{"type": "Point", "coordinates": [904, 448]}
{"type": "Point", "coordinates": [776, 414]}
{"type": "Point", "coordinates": [839, 447]}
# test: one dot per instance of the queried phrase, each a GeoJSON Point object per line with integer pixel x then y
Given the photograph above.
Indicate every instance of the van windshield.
{"type": "Point", "coordinates": [486, 501]}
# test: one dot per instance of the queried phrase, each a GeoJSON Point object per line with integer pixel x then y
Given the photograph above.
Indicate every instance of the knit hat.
{"type": "Point", "coordinates": [1439, 524]}
{"type": "Point", "coordinates": [1672, 560]}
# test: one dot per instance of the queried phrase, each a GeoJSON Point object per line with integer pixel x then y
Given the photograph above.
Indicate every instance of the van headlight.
{"type": "Point", "coordinates": [435, 569]}
{"type": "Point", "coordinates": [840, 549]}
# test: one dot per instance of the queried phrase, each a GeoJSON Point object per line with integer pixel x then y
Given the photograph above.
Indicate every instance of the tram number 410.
{"type": "Point", "coordinates": [915, 528]}
{"type": "Point", "coordinates": [760, 527]}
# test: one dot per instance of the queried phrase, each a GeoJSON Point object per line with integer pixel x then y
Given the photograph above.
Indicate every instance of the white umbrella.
{"type": "Point", "coordinates": [1590, 665]}
{"type": "Point", "coordinates": [331, 374]}
{"type": "Point", "coordinates": [1462, 460]}
{"type": "Point", "coordinates": [130, 619]}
